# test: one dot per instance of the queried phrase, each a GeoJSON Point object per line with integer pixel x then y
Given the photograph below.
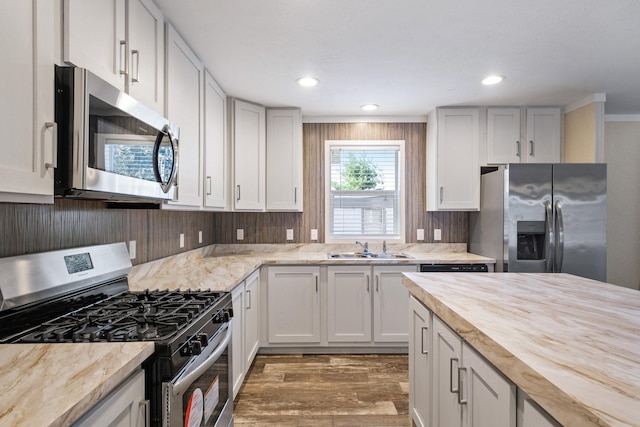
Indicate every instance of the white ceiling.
{"type": "Point", "coordinates": [410, 56]}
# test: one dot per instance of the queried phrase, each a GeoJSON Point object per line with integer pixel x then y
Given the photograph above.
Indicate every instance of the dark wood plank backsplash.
{"type": "Point", "coordinates": [28, 228]}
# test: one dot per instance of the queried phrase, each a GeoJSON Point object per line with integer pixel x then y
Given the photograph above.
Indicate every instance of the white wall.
{"type": "Point", "coordinates": [622, 155]}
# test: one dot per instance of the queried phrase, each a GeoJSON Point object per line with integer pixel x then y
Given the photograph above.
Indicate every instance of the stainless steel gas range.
{"type": "Point", "coordinates": [82, 295]}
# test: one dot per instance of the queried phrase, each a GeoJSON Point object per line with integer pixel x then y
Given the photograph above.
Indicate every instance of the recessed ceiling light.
{"type": "Point", "coordinates": [492, 80]}
{"type": "Point", "coordinates": [307, 81]}
{"type": "Point", "coordinates": [369, 107]}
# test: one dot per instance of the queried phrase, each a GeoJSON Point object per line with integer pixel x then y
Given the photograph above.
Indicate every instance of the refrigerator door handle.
{"type": "Point", "coordinates": [559, 238]}
{"type": "Point", "coordinates": [550, 237]}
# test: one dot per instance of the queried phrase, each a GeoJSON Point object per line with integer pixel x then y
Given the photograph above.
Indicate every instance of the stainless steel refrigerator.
{"type": "Point", "coordinates": [543, 218]}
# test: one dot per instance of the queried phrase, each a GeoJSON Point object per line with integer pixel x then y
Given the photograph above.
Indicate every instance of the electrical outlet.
{"type": "Point", "coordinates": [132, 249]}
{"type": "Point", "coordinates": [289, 233]}
{"type": "Point", "coordinates": [314, 234]}
{"type": "Point", "coordinates": [240, 234]}
{"type": "Point", "coordinates": [437, 234]}
{"type": "Point", "coordinates": [420, 234]}
{"type": "Point", "coordinates": [182, 240]}
{"type": "Point", "coordinates": [199, 236]}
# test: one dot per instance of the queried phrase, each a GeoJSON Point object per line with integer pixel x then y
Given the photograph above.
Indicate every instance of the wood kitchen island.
{"type": "Point", "coordinates": [571, 344]}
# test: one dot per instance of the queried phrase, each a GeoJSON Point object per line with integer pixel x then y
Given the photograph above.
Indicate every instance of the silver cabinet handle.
{"type": "Point", "coordinates": [377, 284]}
{"type": "Point", "coordinates": [316, 284]}
{"type": "Point", "coordinates": [147, 412]}
{"type": "Point", "coordinates": [249, 305]}
{"type": "Point", "coordinates": [295, 195]}
{"type": "Point", "coordinates": [422, 349]}
{"type": "Point", "coordinates": [441, 194]}
{"type": "Point", "coordinates": [209, 186]}
{"type": "Point", "coordinates": [367, 283]}
{"type": "Point", "coordinates": [136, 79]}
{"type": "Point", "coordinates": [518, 153]}
{"type": "Point", "coordinates": [54, 154]}
{"type": "Point", "coordinates": [238, 188]}
{"type": "Point", "coordinates": [461, 400]}
{"type": "Point", "coordinates": [125, 55]}
{"type": "Point", "coordinates": [453, 359]}
{"type": "Point", "coordinates": [531, 148]}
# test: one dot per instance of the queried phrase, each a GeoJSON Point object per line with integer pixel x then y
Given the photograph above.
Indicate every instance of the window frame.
{"type": "Point", "coordinates": [364, 144]}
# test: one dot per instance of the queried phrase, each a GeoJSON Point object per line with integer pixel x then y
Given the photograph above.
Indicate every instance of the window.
{"type": "Point", "coordinates": [364, 181]}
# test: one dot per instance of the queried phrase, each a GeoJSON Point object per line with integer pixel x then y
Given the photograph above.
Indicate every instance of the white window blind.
{"type": "Point", "coordinates": [365, 190]}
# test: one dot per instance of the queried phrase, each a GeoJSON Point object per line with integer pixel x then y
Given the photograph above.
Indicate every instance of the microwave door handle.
{"type": "Point", "coordinates": [166, 131]}
{"type": "Point", "coordinates": [549, 237]}
{"type": "Point", "coordinates": [559, 238]}
{"type": "Point", "coordinates": [183, 384]}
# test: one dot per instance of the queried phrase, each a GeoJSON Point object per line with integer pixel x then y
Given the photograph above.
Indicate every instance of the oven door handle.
{"type": "Point", "coordinates": [183, 384]}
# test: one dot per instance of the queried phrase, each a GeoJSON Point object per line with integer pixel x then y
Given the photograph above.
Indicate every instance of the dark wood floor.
{"type": "Point", "coordinates": [325, 390]}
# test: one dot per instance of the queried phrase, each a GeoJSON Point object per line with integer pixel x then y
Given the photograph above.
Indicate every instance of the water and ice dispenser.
{"type": "Point", "coordinates": [531, 240]}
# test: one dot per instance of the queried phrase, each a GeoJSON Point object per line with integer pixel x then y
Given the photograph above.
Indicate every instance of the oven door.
{"type": "Point", "coordinates": [200, 395]}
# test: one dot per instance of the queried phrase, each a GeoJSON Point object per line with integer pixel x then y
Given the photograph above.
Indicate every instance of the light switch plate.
{"type": "Point", "coordinates": [132, 249]}
{"type": "Point", "coordinates": [289, 233]}
{"type": "Point", "coordinates": [182, 240]}
{"type": "Point", "coordinates": [437, 234]}
{"type": "Point", "coordinates": [420, 234]}
{"type": "Point", "coordinates": [240, 234]}
{"type": "Point", "coordinates": [199, 236]}
{"type": "Point", "coordinates": [314, 234]}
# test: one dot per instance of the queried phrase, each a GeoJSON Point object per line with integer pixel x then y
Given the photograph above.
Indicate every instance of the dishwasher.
{"type": "Point", "coordinates": [454, 268]}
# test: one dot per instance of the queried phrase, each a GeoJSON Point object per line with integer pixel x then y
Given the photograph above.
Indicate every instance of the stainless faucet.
{"type": "Point", "coordinates": [365, 246]}
{"type": "Point", "coordinates": [384, 246]}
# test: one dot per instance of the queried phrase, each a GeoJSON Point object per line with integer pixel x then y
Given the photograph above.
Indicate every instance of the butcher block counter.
{"type": "Point", "coordinates": [54, 384]}
{"type": "Point", "coordinates": [572, 344]}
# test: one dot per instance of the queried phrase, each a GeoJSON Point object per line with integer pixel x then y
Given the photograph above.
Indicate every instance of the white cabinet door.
{"type": "Point", "coordinates": [251, 319]}
{"type": "Point", "coordinates": [349, 304]}
{"type": "Point", "coordinates": [249, 161]}
{"type": "Point", "coordinates": [123, 407]}
{"type": "Point", "coordinates": [420, 376]}
{"type": "Point", "coordinates": [95, 38]}
{"type": "Point", "coordinates": [543, 135]}
{"type": "Point", "coordinates": [490, 398]}
{"type": "Point", "coordinates": [216, 153]}
{"type": "Point", "coordinates": [185, 77]}
{"type": "Point", "coordinates": [447, 358]}
{"type": "Point", "coordinates": [284, 159]}
{"type": "Point", "coordinates": [237, 338]}
{"type": "Point", "coordinates": [453, 169]}
{"type": "Point", "coordinates": [27, 38]}
{"type": "Point", "coordinates": [293, 305]}
{"type": "Point", "coordinates": [390, 302]}
{"type": "Point", "coordinates": [146, 54]}
{"type": "Point", "coordinates": [503, 136]}
{"type": "Point", "coordinates": [530, 414]}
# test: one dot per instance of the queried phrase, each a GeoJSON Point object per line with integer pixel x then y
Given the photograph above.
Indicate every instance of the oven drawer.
{"type": "Point", "coordinates": [125, 405]}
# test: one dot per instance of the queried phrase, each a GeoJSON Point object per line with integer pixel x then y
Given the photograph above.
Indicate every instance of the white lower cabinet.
{"type": "Point", "coordinates": [245, 328]}
{"type": "Point", "coordinates": [390, 301]}
{"type": "Point", "coordinates": [450, 383]}
{"type": "Point", "coordinates": [123, 407]}
{"type": "Point", "coordinates": [529, 414]}
{"type": "Point", "coordinates": [349, 304]}
{"type": "Point", "coordinates": [293, 305]}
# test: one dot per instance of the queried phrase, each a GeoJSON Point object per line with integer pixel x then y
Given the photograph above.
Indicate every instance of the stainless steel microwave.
{"type": "Point", "coordinates": [110, 146]}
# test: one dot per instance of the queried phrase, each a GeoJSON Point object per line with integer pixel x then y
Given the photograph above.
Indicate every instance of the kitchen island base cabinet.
{"type": "Point", "coordinates": [462, 388]}
{"type": "Point", "coordinates": [293, 305]}
{"type": "Point", "coordinates": [125, 406]}
{"type": "Point", "coordinates": [529, 414]}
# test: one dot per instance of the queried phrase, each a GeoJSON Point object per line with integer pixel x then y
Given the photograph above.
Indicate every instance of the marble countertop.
{"type": "Point", "coordinates": [54, 384]}
{"type": "Point", "coordinates": [222, 267]}
{"type": "Point", "coordinates": [572, 344]}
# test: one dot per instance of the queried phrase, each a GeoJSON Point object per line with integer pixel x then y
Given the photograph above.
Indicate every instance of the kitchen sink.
{"type": "Point", "coordinates": [369, 255]}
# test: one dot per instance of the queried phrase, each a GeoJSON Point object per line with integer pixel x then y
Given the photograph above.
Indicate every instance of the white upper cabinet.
{"type": "Point", "coordinates": [216, 152]}
{"type": "Point", "coordinates": [284, 159]}
{"type": "Point", "coordinates": [508, 143]}
{"type": "Point", "coordinates": [185, 78]}
{"type": "Point", "coordinates": [503, 135]}
{"type": "Point", "coordinates": [27, 43]}
{"type": "Point", "coordinates": [453, 169]}
{"type": "Point", "coordinates": [249, 156]}
{"type": "Point", "coordinates": [120, 41]}
{"type": "Point", "coordinates": [146, 54]}
{"type": "Point", "coordinates": [543, 135]}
